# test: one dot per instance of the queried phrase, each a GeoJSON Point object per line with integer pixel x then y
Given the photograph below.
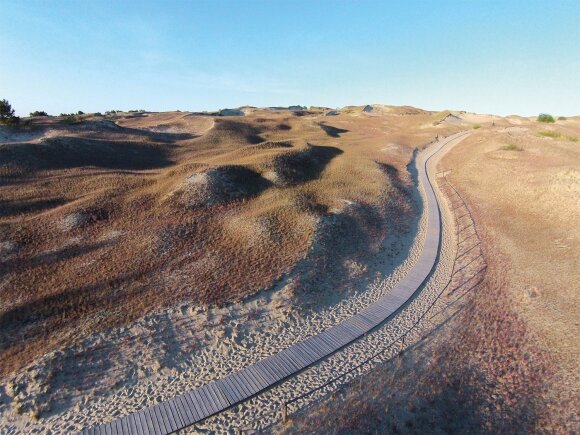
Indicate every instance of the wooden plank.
{"type": "Point", "coordinates": [331, 344]}
{"type": "Point", "coordinates": [235, 388]}
{"type": "Point", "coordinates": [179, 421]}
{"type": "Point", "coordinates": [266, 374]}
{"type": "Point", "coordinates": [183, 408]}
{"type": "Point", "coordinates": [254, 379]}
{"type": "Point", "coordinates": [305, 353]}
{"type": "Point", "coordinates": [296, 355]}
{"type": "Point", "coordinates": [193, 407]}
{"type": "Point", "coordinates": [207, 400]}
{"type": "Point", "coordinates": [317, 346]}
{"type": "Point", "coordinates": [161, 419]}
{"type": "Point", "coordinates": [157, 419]}
{"type": "Point", "coordinates": [250, 386]}
{"type": "Point", "coordinates": [109, 428]}
{"type": "Point", "coordinates": [267, 367]}
{"type": "Point", "coordinates": [140, 422]}
{"type": "Point", "coordinates": [117, 426]}
{"type": "Point", "coordinates": [233, 394]}
{"type": "Point", "coordinates": [240, 382]}
{"type": "Point", "coordinates": [149, 425]}
{"type": "Point", "coordinates": [197, 400]}
{"type": "Point", "coordinates": [220, 398]}
{"type": "Point", "coordinates": [124, 424]}
{"type": "Point", "coordinates": [280, 369]}
{"type": "Point", "coordinates": [134, 427]}
{"type": "Point", "coordinates": [292, 361]}
{"type": "Point", "coordinates": [257, 376]}
{"type": "Point", "coordinates": [171, 419]}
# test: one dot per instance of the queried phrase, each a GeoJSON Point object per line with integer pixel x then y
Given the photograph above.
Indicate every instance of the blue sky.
{"type": "Point", "coordinates": [486, 56]}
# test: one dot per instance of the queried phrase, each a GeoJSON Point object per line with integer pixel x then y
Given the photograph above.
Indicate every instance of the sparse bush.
{"type": "Point", "coordinates": [550, 133]}
{"type": "Point", "coordinates": [546, 117]}
{"type": "Point", "coordinates": [562, 118]}
{"type": "Point", "coordinates": [38, 113]}
{"type": "Point", "coordinates": [80, 112]}
{"type": "Point", "coordinates": [476, 126]}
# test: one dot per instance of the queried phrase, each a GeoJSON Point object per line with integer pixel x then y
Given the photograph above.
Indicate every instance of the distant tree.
{"type": "Point", "coordinates": [562, 118]}
{"type": "Point", "coordinates": [38, 113]}
{"type": "Point", "coordinates": [6, 111]}
{"type": "Point", "coordinates": [546, 117]}
{"type": "Point", "coordinates": [80, 112]}
{"type": "Point", "coordinates": [7, 114]}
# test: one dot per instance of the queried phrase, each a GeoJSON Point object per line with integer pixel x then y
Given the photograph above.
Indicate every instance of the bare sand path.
{"type": "Point", "coordinates": [195, 406]}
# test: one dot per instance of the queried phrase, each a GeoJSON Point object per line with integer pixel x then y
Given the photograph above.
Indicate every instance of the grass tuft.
{"type": "Point", "coordinates": [550, 133]}
{"type": "Point", "coordinates": [476, 126]}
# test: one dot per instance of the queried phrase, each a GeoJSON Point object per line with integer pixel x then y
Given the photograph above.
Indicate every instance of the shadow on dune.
{"type": "Point", "coordinates": [332, 131]}
{"type": "Point", "coordinates": [305, 165]}
{"type": "Point", "coordinates": [226, 130]}
{"type": "Point", "coordinates": [48, 258]}
{"type": "Point", "coordinates": [16, 207]}
{"type": "Point", "coordinates": [69, 152]}
{"type": "Point", "coordinates": [44, 316]}
{"type": "Point", "coordinates": [377, 236]}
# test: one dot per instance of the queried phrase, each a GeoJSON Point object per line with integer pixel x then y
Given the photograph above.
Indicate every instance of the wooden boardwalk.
{"type": "Point", "coordinates": [194, 406]}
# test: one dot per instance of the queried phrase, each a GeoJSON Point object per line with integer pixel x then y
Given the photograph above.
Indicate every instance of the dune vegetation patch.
{"type": "Point", "coordinates": [221, 184]}
{"type": "Point", "coordinates": [271, 144]}
{"type": "Point", "coordinates": [511, 147]}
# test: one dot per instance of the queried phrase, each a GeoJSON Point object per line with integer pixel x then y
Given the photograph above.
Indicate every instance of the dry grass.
{"type": "Point", "coordinates": [507, 361]}
{"type": "Point", "coordinates": [529, 208]}
{"type": "Point", "coordinates": [103, 222]}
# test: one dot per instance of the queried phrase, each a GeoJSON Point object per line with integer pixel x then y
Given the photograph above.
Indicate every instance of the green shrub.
{"type": "Point", "coordinates": [550, 133]}
{"type": "Point", "coordinates": [546, 117]}
{"type": "Point", "coordinates": [476, 126]}
{"type": "Point", "coordinates": [38, 113]}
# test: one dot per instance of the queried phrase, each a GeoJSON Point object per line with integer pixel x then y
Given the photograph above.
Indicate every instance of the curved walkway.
{"type": "Point", "coordinates": [189, 408]}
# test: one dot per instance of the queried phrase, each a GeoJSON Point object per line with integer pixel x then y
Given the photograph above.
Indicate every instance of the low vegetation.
{"type": "Point", "coordinates": [550, 133]}
{"type": "Point", "coordinates": [38, 113]}
{"type": "Point", "coordinates": [476, 126]}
